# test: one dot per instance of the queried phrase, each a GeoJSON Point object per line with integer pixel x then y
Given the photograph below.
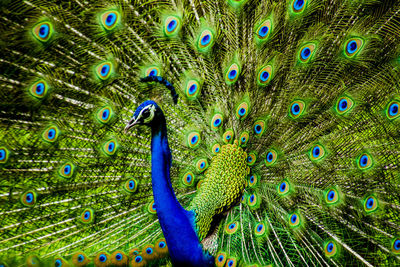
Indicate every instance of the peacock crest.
{"type": "Point", "coordinates": [275, 125]}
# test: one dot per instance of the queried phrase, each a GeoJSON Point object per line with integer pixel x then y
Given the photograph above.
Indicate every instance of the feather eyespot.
{"type": "Point", "coordinates": [392, 110]}
{"type": "Point", "coordinates": [148, 252]}
{"type": "Point", "coordinates": [364, 161]}
{"type": "Point", "coordinates": [133, 252]}
{"type": "Point", "coordinates": [110, 147]}
{"type": "Point", "coordinates": [59, 262]}
{"type": "Point", "coordinates": [118, 258]}
{"type": "Point", "coordinates": [242, 110]}
{"type": "Point", "coordinates": [151, 208]}
{"type": "Point", "coordinates": [138, 259]}
{"type": "Point", "coordinates": [193, 139]}
{"type": "Point", "coordinates": [264, 75]}
{"type": "Point", "coordinates": [253, 179]}
{"type": "Point", "coordinates": [330, 249]}
{"type": "Point", "coordinates": [228, 136]}
{"type": "Point", "coordinates": [172, 25]}
{"type": "Point", "coordinates": [220, 259]}
{"type": "Point", "coordinates": [43, 31]}
{"type": "Point", "coordinates": [232, 227]}
{"type": "Point", "coordinates": [396, 246]}
{"type": "Point", "coordinates": [39, 89]}
{"type": "Point", "coordinates": [104, 70]}
{"type": "Point", "coordinates": [317, 152]}
{"type": "Point", "coordinates": [298, 6]}
{"type": "Point", "coordinates": [344, 105]}
{"type": "Point", "coordinates": [152, 70]}
{"type": "Point", "coordinates": [110, 19]}
{"type": "Point", "coordinates": [161, 246]}
{"type": "Point", "coordinates": [244, 139]}
{"type": "Point", "coordinates": [188, 179]}
{"type": "Point", "coordinates": [263, 31]}
{"type": "Point", "coordinates": [370, 204]}
{"type": "Point", "coordinates": [216, 148]}
{"type": "Point", "coordinates": [294, 220]}
{"type": "Point", "coordinates": [331, 196]}
{"type": "Point", "coordinates": [80, 259]}
{"type": "Point", "coordinates": [259, 229]}
{"type": "Point", "coordinates": [66, 170]}
{"type": "Point", "coordinates": [251, 158]}
{"type": "Point", "coordinates": [283, 188]}
{"type": "Point", "coordinates": [306, 53]}
{"type": "Point", "coordinates": [270, 157]}
{"type": "Point", "coordinates": [33, 260]}
{"type": "Point", "coordinates": [192, 89]}
{"type": "Point", "coordinates": [3, 155]}
{"type": "Point", "coordinates": [29, 198]}
{"type": "Point", "coordinates": [50, 135]}
{"type": "Point", "coordinates": [205, 40]}
{"type": "Point", "coordinates": [296, 109]}
{"type": "Point", "coordinates": [253, 201]}
{"type": "Point", "coordinates": [232, 73]}
{"type": "Point", "coordinates": [87, 216]}
{"type": "Point", "coordinates": [243, 198]}
{"type": "Point", "coordinates": [130, 185]}
{"type": "Point", "coordinates": [259, 128]}
{"type": "Point", "coordinates": [201, 165]}
{"type": "Point", "coordinates": [232, 262]}
{"type": "Point", "coordinates": [217, 121]}
{"type": "Point", "coordinates": [104, 115]}
{"type": "Point", "coordinates": [102, 259]}
{"type": "Point", "coordinates": [353, 46]}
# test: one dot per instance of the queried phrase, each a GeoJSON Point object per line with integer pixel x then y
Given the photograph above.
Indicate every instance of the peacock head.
{"type": "Point", "coordinates": [145, 114]}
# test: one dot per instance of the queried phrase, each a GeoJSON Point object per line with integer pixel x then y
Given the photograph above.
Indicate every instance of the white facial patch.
{"type": "Point", "coordinates": [152, 110]}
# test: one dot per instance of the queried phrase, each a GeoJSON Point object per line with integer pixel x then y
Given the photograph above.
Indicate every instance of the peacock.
{"type": "Point", "coordinates": [199, 133]}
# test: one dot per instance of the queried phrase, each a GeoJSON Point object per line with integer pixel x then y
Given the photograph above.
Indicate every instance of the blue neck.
{"type": "Point", "coordinates": [177, 224]}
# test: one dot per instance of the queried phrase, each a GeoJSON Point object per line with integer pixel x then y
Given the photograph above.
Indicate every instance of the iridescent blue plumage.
{"type": "Point", "coordinates": [178, 224]}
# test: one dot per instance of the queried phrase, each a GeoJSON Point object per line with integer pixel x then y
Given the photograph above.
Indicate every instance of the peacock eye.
{"type": "Point", "coordinates": [298, 6]}
{"type": "Point", "coordinates": [146, 114]}
{"type": "Point", "coordinates": [104, 70]}
{"type": "Point", "coordinates": [231, 228]}
{"type": "Point", "coordinates": [29, 198]}
{"type": "Point", "coordinates": [396, 246]}
{"type": "Point", "coordinates": [370, 204]}
{"type": "Point", "coordinates": [172, 26]}
{"type": "Point", "coordinates": [306, 52]}
{"type": "Point", "coordinates": [253, 201]}
{"type": "Point", "coordinates": [331, 196]}
{"type": "Point", "coordinates": [43, 31]}
{"type": "Point", "coordinates": [283, 188]}
{"type": "Point", "coordinates": [330, 249]}
{"type": "Point", "coordinates": [294, 220]}
{"type": "Point", "coordinates": [263, 30]}
{"type": "Point", "coordinates": [205, 41]}
{"type": "Point", "coordinates": [364, 161]}
{"type": "Point", "coordinates": [87, 216]}
{"type": "Point", "coordinates": [259, 229]}
{"type": "Point", "coordinates": [353, 46]}
{"type": "Point", "coordinates": [110, 19]}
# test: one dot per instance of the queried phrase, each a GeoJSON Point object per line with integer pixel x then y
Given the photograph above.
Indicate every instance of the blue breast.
{"type": "Point", "coordinates": [177, 224]}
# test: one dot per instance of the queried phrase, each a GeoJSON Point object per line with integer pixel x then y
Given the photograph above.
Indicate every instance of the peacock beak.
{"type": "Point", "coordinates": [131, 123]}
